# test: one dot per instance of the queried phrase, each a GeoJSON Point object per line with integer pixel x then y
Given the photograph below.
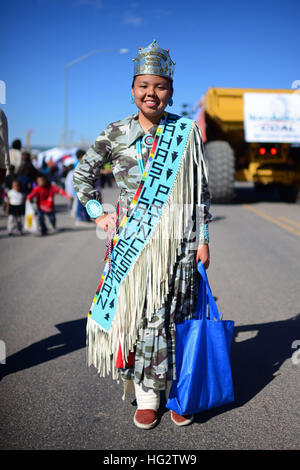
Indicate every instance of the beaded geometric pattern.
{"type": "Point", "coordinates": [94, 208]}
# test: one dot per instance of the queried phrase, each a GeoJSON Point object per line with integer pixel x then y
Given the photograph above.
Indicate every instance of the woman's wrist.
{"type": "Point", "coordinates": [101, 217]}
{"type": "Point", "coordinates": [203, 234]}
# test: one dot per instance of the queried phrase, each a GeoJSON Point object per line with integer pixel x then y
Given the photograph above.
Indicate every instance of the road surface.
{"type": "Point", "coordinates": [50, 399]}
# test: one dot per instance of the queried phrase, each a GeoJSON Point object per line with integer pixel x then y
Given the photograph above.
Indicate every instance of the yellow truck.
{"type": "Point", "coordinates": [251, 135]}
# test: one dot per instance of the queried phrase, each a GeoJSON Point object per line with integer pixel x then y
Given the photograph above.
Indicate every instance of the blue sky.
{"type": "Point", "coordinates": [214, 43]}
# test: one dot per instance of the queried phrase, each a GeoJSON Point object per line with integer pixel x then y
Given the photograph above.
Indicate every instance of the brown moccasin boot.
{"type": "Point", "coordinates": [181, 420]}
{"type": "Point", "coordinates": [145, 419]}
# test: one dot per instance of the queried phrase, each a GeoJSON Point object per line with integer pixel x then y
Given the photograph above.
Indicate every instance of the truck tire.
{"type": "Point", "coordinates": [221, 171]}
{"type": "Point", "coordinates": [287, 192]}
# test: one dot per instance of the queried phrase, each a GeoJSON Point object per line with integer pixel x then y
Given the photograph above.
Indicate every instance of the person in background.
{"type": "Point", "coordinates": [44, 194]}
{"type": "Point", "coordinates": [4, 152]}
{"type": "Point", "coordinates": [15, 208]}
{"type": "Point", "coordinates": [15, 154]}
{"type": "Point", "coordinates": [34, 159]}
{"type": "Point", "coordinates": [106, 175]}
{"type": "Point", "coordinates": [27, 173]}
{"type": "Point", "coordinates": [10, 177]}
{"type": "Point", "coordinates": [27, 162]}
{"type": "Point", "coordinates": [69, 188]}
{"type": "Point", "coordinates": [52, 171]}
{"type": "Point", "coordinates": [81, 214]}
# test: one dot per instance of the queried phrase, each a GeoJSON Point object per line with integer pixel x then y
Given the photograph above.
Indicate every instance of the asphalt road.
{"type": "Point", "coordinates": [50, 399]}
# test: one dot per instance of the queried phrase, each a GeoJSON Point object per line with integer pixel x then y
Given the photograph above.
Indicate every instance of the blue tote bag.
{"type": "Point", "coordinates": [203, 369]}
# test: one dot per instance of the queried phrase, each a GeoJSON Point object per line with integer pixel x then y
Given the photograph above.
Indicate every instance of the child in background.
{"type": "Point", "coordinates": [10, 177]}
{"type": "Point", "coordinates": [44, 194]}
{"type": "Point", "coordinates": [15, 208]}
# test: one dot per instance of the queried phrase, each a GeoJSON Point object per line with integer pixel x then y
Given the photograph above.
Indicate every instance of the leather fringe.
{"type": "Point", "coordinates": [148, 278]}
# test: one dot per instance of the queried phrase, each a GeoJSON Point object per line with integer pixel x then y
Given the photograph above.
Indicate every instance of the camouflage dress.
{"type": "Point", "coordinates": [154, 358]}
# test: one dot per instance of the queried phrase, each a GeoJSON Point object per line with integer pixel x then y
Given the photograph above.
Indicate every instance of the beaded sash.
{"type": "Point", "coordinates": [152, 194]}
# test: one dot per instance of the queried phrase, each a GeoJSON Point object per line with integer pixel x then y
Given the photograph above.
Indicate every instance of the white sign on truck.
{"type": "Point", "coordinates": [272, 117]}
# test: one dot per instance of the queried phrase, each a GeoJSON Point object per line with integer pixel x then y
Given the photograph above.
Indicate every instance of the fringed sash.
{"type": "Point", "coordinates": [144, 254]}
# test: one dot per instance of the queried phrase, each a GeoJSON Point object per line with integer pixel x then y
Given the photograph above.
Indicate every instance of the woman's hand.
{"type": "Point", "coordinates": [107, 222]}
{"type": "Point", "coordinates": [203, 255]}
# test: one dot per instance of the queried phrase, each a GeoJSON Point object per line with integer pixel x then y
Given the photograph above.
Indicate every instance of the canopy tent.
{"type": "Point", "coordinates": [58, 155]}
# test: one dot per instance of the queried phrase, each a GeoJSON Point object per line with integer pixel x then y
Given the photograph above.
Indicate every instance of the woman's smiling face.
{"type": "Point", "coordinates": [152, 94]}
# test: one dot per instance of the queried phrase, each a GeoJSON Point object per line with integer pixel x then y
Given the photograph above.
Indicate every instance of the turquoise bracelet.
{"type": "Point", "coordinates": [94, 208]}
{"type": "Point", "coordinates": [203, 234]}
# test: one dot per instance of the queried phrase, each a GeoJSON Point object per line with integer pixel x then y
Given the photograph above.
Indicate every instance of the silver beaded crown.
{"type": "Point", "coordinates": [153, 60]}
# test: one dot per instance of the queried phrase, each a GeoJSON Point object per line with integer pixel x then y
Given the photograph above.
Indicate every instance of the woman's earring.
{"type": "Point", "coordinates": [170, 101]}
{"type": "Point", "coordinates": [132, 99]}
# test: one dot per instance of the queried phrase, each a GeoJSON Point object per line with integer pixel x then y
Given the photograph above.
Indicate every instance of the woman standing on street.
{"type": "Point", "coordinates": [158, 233]}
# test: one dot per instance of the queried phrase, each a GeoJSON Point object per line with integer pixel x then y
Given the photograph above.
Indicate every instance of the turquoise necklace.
{"type": "Point", "coordinates": [147, 141]}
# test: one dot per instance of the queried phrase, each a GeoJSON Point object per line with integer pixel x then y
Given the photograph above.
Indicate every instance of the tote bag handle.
{"type": "Point", "coordinates": [203, 292]}
{"type": "Point", "coordinates": [201, 309]}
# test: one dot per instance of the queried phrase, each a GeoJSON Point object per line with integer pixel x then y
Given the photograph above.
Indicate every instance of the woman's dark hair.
{"type": "Point", "coordinates": [169, 80]}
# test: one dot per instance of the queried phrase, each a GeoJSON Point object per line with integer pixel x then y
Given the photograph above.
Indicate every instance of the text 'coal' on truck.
{"type": "Point", "coordinates": [251, 135]}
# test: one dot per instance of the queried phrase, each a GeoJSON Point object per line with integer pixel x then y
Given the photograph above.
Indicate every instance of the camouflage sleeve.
{"type": "Point", "coordinates": [88, 169]}
{"type": "Point", "coordinates": [204, 215]}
